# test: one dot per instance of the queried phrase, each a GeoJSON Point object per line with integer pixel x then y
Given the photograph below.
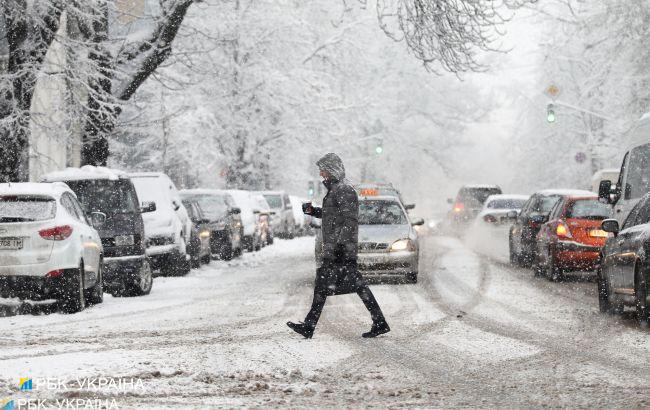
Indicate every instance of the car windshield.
{"type": "Point", "coordinates": [476, 196]}
{"type": "Point", "coordinates": [506, 203]}
{"type": "Point", "coordinates": [213, 206]}
{"type": "Point", "coordinates": [588, 209]}
{"type": "Point", "coordinates": [274, 201]}
{"type": "Point", "coordinates": [26, 208]}
{"type": "Point", "coordinates": [105, 195]}
{"type": "Point", "coordinates": [381, 213]}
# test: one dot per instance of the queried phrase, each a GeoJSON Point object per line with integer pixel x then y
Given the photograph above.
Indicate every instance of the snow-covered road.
{"type": "Point", "coordinates": [473, 332]}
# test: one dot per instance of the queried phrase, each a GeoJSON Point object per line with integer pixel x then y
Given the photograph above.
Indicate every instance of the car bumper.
{"type": "Point", "coordinates": [121, 270]}
{"type": "Point", "coordinates": [574, 255]}
{"type": "Point", "coordinates": [33, 287]}
{"type": "Point", "coordinates": [153, 251]}
{"type": "Point", "coordinates": [387, 263]}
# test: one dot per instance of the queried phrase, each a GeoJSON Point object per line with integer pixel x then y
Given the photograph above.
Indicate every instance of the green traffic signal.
{"type": "Point", "coordinates": [550, 113]}
{"type": "Point", "coordinates": [379, 150]}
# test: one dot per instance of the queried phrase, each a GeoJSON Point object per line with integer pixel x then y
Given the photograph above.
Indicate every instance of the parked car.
{"type": "Point", "coordinates": [388, 244]}
{"type": "Point", "coordinates": [199, 244]}
{"type": "Point", "coordinates": [522, 237]}
{"type": "Point", "coordinates": [572, 238]}
{"type": "Point", "coordinates": [225, 224]}
{"type": "Point", "coordinates": [282, 223]}
{"type": "Point", "coordinates": [168, 228]}
{"type": "Point", "coordinates": [623, 276]}
{"type": "Point", "coordinates": [48, 248]}
{"type": "Point", "coordinates": [126, 270]}
{"type": "Point", "coordinates": [250, 218]}
{"type": "Point", "coordinates": [634, 176]}
{"type": "Point", "coordinates": [467, 204]}
{"type": "Point", "coordinates": [265, 216]}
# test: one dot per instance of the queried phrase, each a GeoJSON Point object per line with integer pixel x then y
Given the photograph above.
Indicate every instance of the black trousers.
{"type": "Point", "coordinates": [364, 293]}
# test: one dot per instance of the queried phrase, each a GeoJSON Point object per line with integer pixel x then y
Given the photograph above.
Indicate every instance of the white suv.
{"type": "Point", "coordinates": [168, 228]}
{"type": "Point", "coordinates": [48, 249]}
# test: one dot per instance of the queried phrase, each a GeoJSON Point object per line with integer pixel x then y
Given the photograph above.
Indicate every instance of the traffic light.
{"type": "Point", "coordinates": [310, 189]}
{"type": "Point", "coordinates": [550, 113]}
{"type": "Point", "coordinates": [379, 149]}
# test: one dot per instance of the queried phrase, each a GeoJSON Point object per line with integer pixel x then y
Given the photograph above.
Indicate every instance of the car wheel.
{"type": "Point", "coordinates": [195, 261]}
{"type": "Point", "coordinates": [640, 298]}
{"type": "Point", "coordinates": [96, 293]}
{"type": "Point", "coordinates": [206, 259]}
{"type": "Point", "coordinates": [412, 277]}
{"type": "Point", "coordinates": [270, 240]}
{"type": "Point", "coordinates": [250, 245]}
{"type": "Point", "coordinates": [553, 273]}
{"type": "Point", "coordinates": [73, 299]}
{"type": "Point", "coordinates": [514, 257]}
{"type": "Point", "coordinates": [142, 283]}
{"type": "Point", "coordinates": [604, 304]}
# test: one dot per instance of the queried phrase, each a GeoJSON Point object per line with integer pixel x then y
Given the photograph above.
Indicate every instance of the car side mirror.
{"type": "Point", "coordinates": [512, 215]}
{"type": "Point", "coordinates": [408, 207]}
{"type": "Point", "coordinates": [235, 211]}
{"type": "Point", "coordinates": [417, 222]}
{"type": "Point", "coordinates": [272, 212]}
{"type": "Point", "coordinates": [176, 205]}
{"type": "Point", "coordinates": [148, 206]}
{"type": "Point", "coordinates": [604, 191]}
{"type": "Point", "coordinates": [97, 219]}
{"type": "Point", "coordinates": [256, 211]}
{"type": "Point", "coordinates": [610, 225]}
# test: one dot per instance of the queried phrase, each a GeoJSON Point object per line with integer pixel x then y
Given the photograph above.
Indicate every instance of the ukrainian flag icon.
{"type": "Point", "coordinates": [25, 384]}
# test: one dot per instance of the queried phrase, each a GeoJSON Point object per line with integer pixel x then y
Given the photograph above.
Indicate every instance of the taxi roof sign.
{"type": "Point", "coordinates": [369, 192]}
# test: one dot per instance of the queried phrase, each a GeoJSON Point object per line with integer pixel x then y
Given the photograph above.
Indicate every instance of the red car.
{"type": "Point", "coordinates": [571, 239]}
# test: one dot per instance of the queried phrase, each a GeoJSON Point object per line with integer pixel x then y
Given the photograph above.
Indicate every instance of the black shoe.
{"type": "Point", "coordinates": [302, 329]}
{"type": "Point", "coordinates": [377, 329]}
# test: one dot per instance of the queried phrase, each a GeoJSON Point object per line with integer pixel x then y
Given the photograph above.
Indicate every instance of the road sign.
{"type": "Point", "coordinates": [581, 157]}
{"type": "Point", "coordinates": [552, 91]}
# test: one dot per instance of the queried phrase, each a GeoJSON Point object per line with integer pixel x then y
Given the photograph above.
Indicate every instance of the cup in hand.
{"type": "Point", "coordinates": [307, 208]}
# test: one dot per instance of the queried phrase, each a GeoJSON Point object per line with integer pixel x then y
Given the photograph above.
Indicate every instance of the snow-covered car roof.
{"type": "Point", "coordinates": [506, 196]}
{"type": "Point", "coordinates": [147, 174]}
{"type": "Point", "coordinates": [85, 172]}
{"type": "Point", "coordinates": [480, 186]}
{"type": "Point", "coordinates": [54, 190]}
{"type": "Point", "coordinates": [565, 192]}
{"type": "Point", "coordinates": [201, 191]}
{"type": "Point", "coordinates": [272, 192]}
{"type": "Point", "coordinates": [387, 198]}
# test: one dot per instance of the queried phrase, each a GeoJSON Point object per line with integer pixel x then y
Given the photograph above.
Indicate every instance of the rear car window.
{"type": "Point", "coordinates": [213, 206]}
{"type": "Point", "coordinates": [588, 209]}
{"type": "Point", "coordinates": [476, 196]}
{"type": "Point", "coordinates": [381, 213]}
{"type": "Point", "coordinates": [26, 208]}
{"type": "Point", "coordinates": [545, 203]}
{"type": "Point", "coordinates": [506, 204]}
{"type": "Point", "coordinates": [104, 195]}
{"type": "Point", "coordinates": [274, 201]}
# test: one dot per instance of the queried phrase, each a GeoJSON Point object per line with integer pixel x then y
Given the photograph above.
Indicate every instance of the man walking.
{"type": "Point", "coordinates": [340, 229]}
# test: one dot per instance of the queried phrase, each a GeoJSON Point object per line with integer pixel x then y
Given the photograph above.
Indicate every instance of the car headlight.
{"type": "Point", "coordinates": [402, 245]}
{"type": "Point", "coordinates": [204, 234]}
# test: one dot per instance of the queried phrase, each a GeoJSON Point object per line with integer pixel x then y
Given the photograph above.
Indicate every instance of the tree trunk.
{"type": "Point", "coordinates": [29, 38]}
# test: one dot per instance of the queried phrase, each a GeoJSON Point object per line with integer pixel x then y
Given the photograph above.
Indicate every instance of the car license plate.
{"type": "Point", "coordinates": [11, 243]}
{"type": "Point", "coordinates": [598, 233]}
{"type": "Point", "coordinates": [124, 240]}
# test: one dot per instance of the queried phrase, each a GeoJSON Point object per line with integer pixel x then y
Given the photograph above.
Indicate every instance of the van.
{"type": "Point", "coordinates": [634, 176]}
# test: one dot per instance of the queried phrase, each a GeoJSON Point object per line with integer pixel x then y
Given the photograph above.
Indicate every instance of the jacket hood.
{"type": "Point", "coordinates": [333, 164]}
